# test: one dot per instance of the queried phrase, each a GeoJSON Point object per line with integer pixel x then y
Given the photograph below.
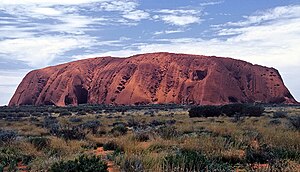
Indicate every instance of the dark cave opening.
{"type": "Point", "coordinates": [68, 100]}
{"type": "Point", "coordinates": [199, 75]}
{"type": "Point", "coordinates": [81, 94]}
{"type": "Point", "coordinates": [232, 99]}
{"type": "Point", "coordinates": [49, 103]}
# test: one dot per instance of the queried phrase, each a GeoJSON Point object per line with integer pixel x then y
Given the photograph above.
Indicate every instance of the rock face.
{"type": "Point", "coordinates": [152, 79]}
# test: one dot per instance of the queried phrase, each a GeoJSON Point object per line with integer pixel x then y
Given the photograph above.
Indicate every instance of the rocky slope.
{"type": "Point", "coordinates": [150, 79]}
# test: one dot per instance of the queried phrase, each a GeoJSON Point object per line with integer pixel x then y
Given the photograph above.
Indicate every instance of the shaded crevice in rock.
{"type": "Point", "coordinates": [199, 75]}
{"type": "Point", "coordinates": [81, 94]}
{"type": "Point", "coordinates": [68, 100]}
{"type": "Point", "coordinates": [233, 99]}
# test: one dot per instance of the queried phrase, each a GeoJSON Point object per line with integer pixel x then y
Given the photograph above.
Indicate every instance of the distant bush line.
{"type": "Point", "coordinates": [230, 110]}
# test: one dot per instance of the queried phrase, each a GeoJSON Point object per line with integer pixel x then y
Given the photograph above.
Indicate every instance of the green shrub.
{"type": "Point", "coordinates": [40, 142]}
{"type": "Point", "coordinates": [287, 154]}
{"type": "Point", "coordinates": [229, 110]}
{"type": "Point", "coordinates": [80, 164]}
{"type": "Point", "coordinates": [110, 146]}
{"type": "Point", "coordinates": [264, 154]}
{"type": "Point", "coordinates": [185, 160]}
{"type": "Point", "coordinates": [9, 157]}
{"type": "Point", "coordinates": [81, 113]}
{"type": "Point", "coordinates": [167, 132]}
{"type": "Point", "coordinates": [280, 114]}
{"type": "Point", "coordinates": [253, 110]}
{"type": "Point", "coordinates": [132, 164]}
{"type": "Point", "coordinates": [37, 114]}
{"type": "Point", "coordinates": [233, 109]}
{"type": "Point", "coordinates": [75, 120]}
{"type": "Point", "coordinates": [65, 113]}
{"type": "Point", "coordinates": [92, 125]}
{"type": "Point", "coordinates": [275, 122]}
{"type": "Point", "coordinates": [7, 136]}
{"type": "Point", "coordinates": [295, 121]}
{"type": "Point", "coordinates": [119, 130]}
{"type": "Point", "coordinates": [69, 133]}
{"type": "Point", "coordinates": [141, 136]}
{"type": "Point", "coordinates": [205, 111]}
{"type": "Point", "coordinates": [242, 109]}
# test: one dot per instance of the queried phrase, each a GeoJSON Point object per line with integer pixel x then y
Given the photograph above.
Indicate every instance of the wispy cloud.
{"type": "Point", "coordinates": [178, 11]}
{"type": "Point", "coordinates": [180, 20]}
{"type": "Point", "coordinates": [260, 17]}
{"type": "Point", "coordinates": [40, 51]}
{"type": "Point", "coordinates": [8, 83]}
{"type": "Point", "coordinates": [37, 32]}
{"type": "Point", "coordinates": [119, 5]}
{"type": "Point", "coordinates": [178, 17]}
{"type": "Point", "coordinates": [136, 15]}
{"type": "Point", "coordinates": [211, 3]}
{"type": "Point", "coordinates": [168, 32]}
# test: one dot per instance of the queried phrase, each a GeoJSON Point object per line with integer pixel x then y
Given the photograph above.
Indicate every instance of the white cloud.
{"type": "Point", "coordinates": [178, 17]}
{"type": "Point", "coordinates": [48, 2]}
{"type": "Point", "coordinates": [168, 32]}
{"type": "Point", "coordinates": [40, 51]}
{"type": "Point", "coordinates": [38, 31]}
{"type": "Point", "coordinates": [47, 11]}
{"type": "Point", "coordinates": [180, 20]}
{"type": "Point", "coordinates": [8, 84]}
{"type": "Point", "coordinates": [136, 15]}
{"type": "Point", "coordinates": [120, 5]}
{"type": "Point", "coordinates": [180, 11]}
{"type": "Point", "coordinates": [211, 3]}
{"type": "Point", "coordinates": [278, 13]}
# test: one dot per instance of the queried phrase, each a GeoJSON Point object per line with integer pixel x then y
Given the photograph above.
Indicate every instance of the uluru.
{"type": "Point", "coordinates": [153, 78]}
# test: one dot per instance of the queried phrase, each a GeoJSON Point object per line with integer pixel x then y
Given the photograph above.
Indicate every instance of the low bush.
{"type": "Point", "coordinates": [280, 114]}
{"type": "Point", "coordinates": [81, 113]}
{"type": "Point", "coordinates": [141, 136]}
{"type": "Point", "coordinates": [40, 143]}
{"type": "Point", "coordinates": [111, 145]}
{"type": "Point", "coordinates": [80, 164]}
{"type": "Point", "coordinates": [205, 111]}
{"type": "Point", "coordinates": [185, 160]}
{"type": "Point", "coordinates": [286, 154]}
{"type": "Point", "coordinates": [132, 164]}
{"type": "Point", "coordinates": [229, 110]}
{"type": "Point", "coordinates": [92, 125]}
{"type": "Point", "coordinates": [36, 114]}
{"type": "Point", "coordinates": [238, 118]}
{"type": "Point", "coordinates": [264, 154]}
{"type": "Point", "coordinates": [275, 122]}
{"type": "Point", "coordinates": [167, 132]}
{"type": "Point", "coordinates": [132, 122]}
{"type": "Point", "coordinates": [73, 133]}
{"type": "Point", "coordinates": [46, 114]}
{"type": "Point", "coordinates": [7, 136]}
{"type": "Point", "coordinates": [65, 113]}
{"type": "Point", "coordinates": [295, 121]}
{"type": "Point", "coordinates": [156, 123]}
{"type": "Point", "coordinates": [119, 130]}
{"type": "Point", "coordinates": [75, 120]}
{"type": "Point", "coordinates": [49, 121]}
{"type": "Point", "coordinates": [9, 157]}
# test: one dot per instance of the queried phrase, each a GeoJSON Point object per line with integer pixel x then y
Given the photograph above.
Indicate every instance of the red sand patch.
{"type": "Point", "coordinates": [111, 165]}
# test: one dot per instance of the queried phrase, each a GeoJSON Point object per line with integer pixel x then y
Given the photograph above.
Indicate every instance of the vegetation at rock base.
{"type": "Point", "coordinates": [150, 138]}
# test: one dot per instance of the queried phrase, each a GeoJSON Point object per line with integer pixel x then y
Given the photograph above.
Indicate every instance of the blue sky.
{"type": "Point", "coordinates": [39, 33]}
